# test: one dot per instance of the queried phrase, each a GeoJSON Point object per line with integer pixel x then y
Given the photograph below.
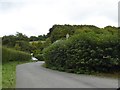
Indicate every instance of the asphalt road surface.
{"type": "Point", "coordinates": [33, 75]}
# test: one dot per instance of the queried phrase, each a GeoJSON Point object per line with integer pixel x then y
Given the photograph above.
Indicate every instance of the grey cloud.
{"type": "Point", "coordinates": [106, 9]}
{"type": "Point", "coordinates": [6, 5]}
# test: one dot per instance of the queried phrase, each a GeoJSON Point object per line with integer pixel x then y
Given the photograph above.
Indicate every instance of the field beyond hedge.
{"type": "Point", "coordinates": [86, 53]}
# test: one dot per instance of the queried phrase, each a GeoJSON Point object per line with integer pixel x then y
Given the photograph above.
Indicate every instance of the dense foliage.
{"type": "Point", "coordinates": [88, 48]}
{"type": "Point", "coordinates": [40, 37]}
{"type": "Point", "coordinates": [86, 52]}
{"type": "Point", "coordinates": [21, 41]}
{"type": "Point", "coordinates": [14, 55]}
{"type": "Point", "coordinates": [38, 46]}
{"type": "Point", "coordinates": [60, 31]}
{"type": "Point", "coordinates": [39, 57]}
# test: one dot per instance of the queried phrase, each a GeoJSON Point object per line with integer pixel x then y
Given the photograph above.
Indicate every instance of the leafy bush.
{"type": "Point", "coordinates": [85, 53]}
{"type": "Point", "coordinates": [59, 31]}
{"type": "Point", "coordinates": [39, 57]}
{"type": "Point", "coordinates": [23, 46]}
{"type": "Point", "coordinates": [14, 55]}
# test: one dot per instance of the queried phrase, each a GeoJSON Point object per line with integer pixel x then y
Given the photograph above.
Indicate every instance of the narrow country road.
{"type": "Point", "coordinates": [33, 75]}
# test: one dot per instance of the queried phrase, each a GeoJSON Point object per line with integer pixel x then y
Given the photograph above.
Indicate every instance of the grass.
{"type": "Point", "coordinates": [108, 75]}
{"type": "Point", "coordinates": [9, 74]}
{"type": "Point", "coordinates": [115, 75]}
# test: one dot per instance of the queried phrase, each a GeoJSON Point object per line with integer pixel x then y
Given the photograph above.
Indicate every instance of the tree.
{"type": "Point", "coordinates": [111, 29]}
{"type": "Point", "coordinates": [42, 37]}
{"type": "Point", "coordinates": [21, 36]}
{"type": "Point", "coordinates": [33, 38]}
{"type": "Point", "coordinates": [17, 47]}
{"type": "Point", "coordinates": [25, 46]}
{"type": "Point", "coordinates": [60, 31]}
{"type": "Point", "coordinates": [46, 43]}
{"type": "Point", "coordinates": [9, 40]}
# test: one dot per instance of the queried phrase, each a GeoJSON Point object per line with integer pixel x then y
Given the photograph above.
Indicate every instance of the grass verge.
{"type": "Point", "coordinates": [107, 75]}
{"type": "Point", "coordinates": [9, 73]}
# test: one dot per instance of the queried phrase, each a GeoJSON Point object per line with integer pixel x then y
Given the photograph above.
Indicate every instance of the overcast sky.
{"type": "Point", "coordinates": [35, 17]}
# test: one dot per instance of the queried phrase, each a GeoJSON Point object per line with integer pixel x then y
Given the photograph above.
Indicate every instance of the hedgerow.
{"type": "Point", "coordinates": [14, 55]}
{"type": "Point", "coordinates": [39, 57]}
{"type": "Point", "coordinates": [85, 53]}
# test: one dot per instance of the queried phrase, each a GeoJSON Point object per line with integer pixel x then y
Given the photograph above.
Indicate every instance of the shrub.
{"type": "Point", "coordinates": [23, 46]}
{"type": "Point", "coordinates": [14, 55]}
{"type": "Point", "coordinates": [85, 53]}
{"type": "Point", "coordinates": [39, 57]}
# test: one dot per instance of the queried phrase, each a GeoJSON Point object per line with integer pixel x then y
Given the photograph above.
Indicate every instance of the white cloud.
{"type": "Point", "coordinates": [35, 17]}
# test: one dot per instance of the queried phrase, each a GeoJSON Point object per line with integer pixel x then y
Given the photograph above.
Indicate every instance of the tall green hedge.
{"type": "Point", "coordinates": [85, 53]}
{"type": "Point", "coordinates": [14, 55]}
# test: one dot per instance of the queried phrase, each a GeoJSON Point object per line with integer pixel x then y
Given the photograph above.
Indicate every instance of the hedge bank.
{"type": "Point", "coordinates": [85, 53]}
{"type": "Point", "coordinates": [14, 55]}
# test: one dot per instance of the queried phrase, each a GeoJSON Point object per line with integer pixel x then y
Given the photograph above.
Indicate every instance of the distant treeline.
{"type": "Point", "coordinates": [55, 33]}
{"type": "Point", "coordinates": [11, 39]}
{"type": "Point", "coordinates": [60, 31]}
{"type": "Point", "coordinates": [36, 44]}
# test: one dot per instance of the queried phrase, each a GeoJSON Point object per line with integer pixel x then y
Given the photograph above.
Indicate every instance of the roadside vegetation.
{"type": "Point", "coordinates": [10, 59]}
{"type": "Point", "coordinates": [9, 73]}
{"type": "Point", "coordinates": [9, 55]}
{"type": "Point", "coordinates": [21, 42]}
{"type": "Point", "coordinates": [80, 49]}
{"type": "Point", "coordinates": [16, 49]}
{"type": "Point", "coordinates": [88, 50]}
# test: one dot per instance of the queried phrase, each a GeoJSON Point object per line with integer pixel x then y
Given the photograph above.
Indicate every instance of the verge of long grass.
{"type": "Point", "coordinates": [9, 74]}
